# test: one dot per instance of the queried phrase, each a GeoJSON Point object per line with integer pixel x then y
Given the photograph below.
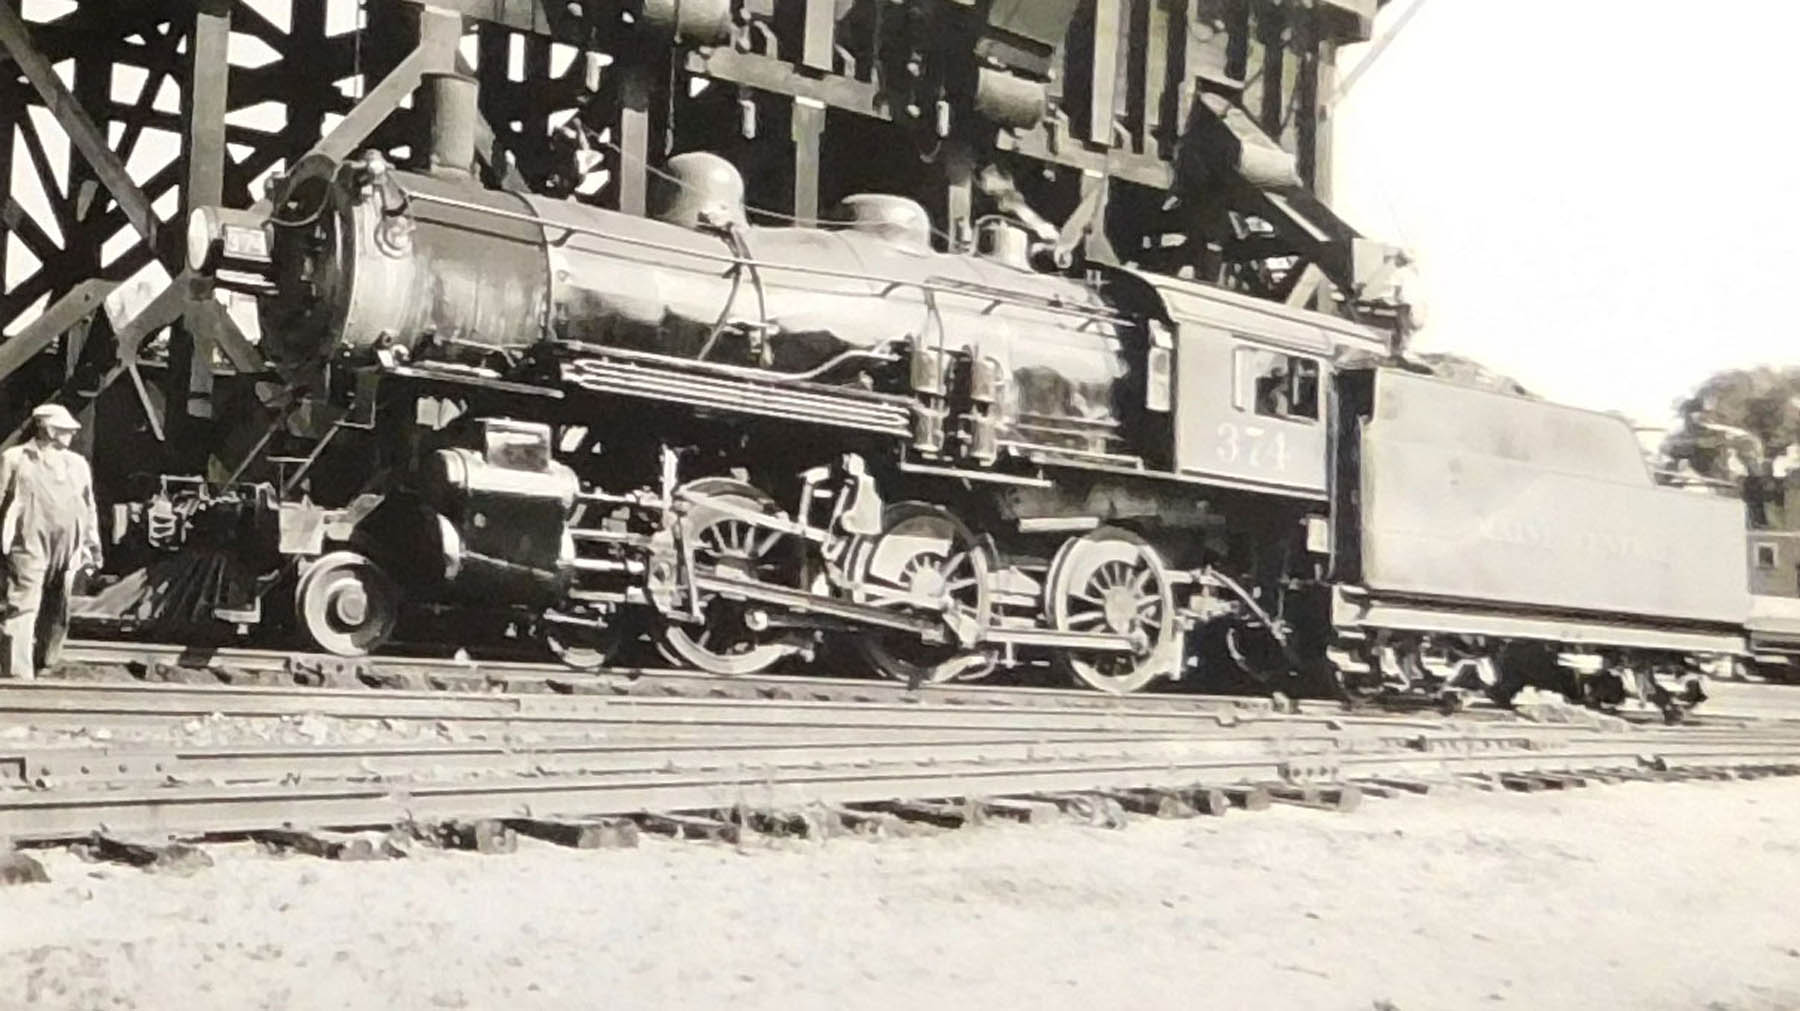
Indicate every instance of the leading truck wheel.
{"type": "Point", "coordinates": [346, 604]}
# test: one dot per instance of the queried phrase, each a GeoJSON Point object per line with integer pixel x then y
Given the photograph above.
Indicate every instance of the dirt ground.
{"type": "Point", "coordinates": [1678, 896]}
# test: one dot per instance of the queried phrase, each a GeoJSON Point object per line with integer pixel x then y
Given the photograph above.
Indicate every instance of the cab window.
{"type": "Point", "coordinates": [1275, 384]}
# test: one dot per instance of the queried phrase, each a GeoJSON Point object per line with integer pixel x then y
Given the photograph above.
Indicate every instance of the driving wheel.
{"type": "Point", "coordinates": [1112, 581]}
{"type": "Point", "coordinates": [924, 561]}
{"type": "Point", "coordinates": [726, 544]}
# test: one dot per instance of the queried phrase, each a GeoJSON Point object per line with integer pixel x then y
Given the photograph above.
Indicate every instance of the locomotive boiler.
{"type": "Point", "coordinates": [746, 444]}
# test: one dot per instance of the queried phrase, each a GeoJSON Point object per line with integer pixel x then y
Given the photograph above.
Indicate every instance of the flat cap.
{"type": "Point", "coordinates": [55, 416]}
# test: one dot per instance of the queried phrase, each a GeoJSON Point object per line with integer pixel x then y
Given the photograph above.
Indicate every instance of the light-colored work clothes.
{"type": "Point", "coordinates": [49, 528]}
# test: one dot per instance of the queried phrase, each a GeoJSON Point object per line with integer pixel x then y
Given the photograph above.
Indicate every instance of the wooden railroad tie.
{"type": "Point", "coordinates": [1250, 798]}
{"type": "Point", "coordinates": [332, 845]}
{"type": "Point", "coordinates": [1342, 797]}
{"type": "Point", "coordinates": [1177, 802]}
{"type": "Point", "coordinates": [811, 823]}
{"type": "Point", "coordinates": [942, 814]}
{"type": "Point", "coordinates": [162, 855]}
{"type": "Point", "coordinates": [483, 835]}
{"type": "Point", "coordinates": [1028, 812]}
{"type": "Point", "coordinates": [1525, 782]}
{"type": "Point", "coordinates": [689, 826]}
{"type": "Point", "coordinates": [1399, 785]}
{"type": "Point", "coordinates": [579, 833]}
{"type": "Point", "coordinates": [869, 823]}
{"type": "Point", "coordinates": [1095, 809]}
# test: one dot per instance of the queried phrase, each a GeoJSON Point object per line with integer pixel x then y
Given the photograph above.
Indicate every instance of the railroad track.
{"type": "Point", "coordinates": [508, 742]}
{"type": "Point", "coordinates": [123, 662]}
{"type": "Point", "coordinates": [418, 673]}
{"type": "Point", "coordinates": [170, 707]}
{"type": "Point", "coordinates": [972, 774]}
{"type": "Point", "coordinates": [688, 755]}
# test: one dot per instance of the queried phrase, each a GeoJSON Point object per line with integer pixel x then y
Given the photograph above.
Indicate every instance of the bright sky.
{"type": "Point", "coordinates": [1600, 193]}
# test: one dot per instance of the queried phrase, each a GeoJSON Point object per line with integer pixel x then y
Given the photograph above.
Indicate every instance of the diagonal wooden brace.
{"type": "Point", "coordinates": [69, 310]}
{"type": "Point", "coordinates": [89, 139]}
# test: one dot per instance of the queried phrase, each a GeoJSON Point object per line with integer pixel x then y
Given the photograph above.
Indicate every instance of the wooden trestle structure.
{"type": "Point", "coordinates": [1187, 136]}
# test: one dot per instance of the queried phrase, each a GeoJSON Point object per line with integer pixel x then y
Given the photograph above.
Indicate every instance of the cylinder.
{"type": "Point", "coordinates": [451, 99]}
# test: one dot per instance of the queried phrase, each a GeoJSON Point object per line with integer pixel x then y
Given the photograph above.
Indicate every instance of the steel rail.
{"type": "Point", "coordinates": [514, 675]}
{"type": "Point", "coordinates": [636, 680]}
{"type": "Point", "coordinates": [60, 768]}
{"type": "Point", "coordinates": [183, 810]}
{"type": "Point", "coordinates": [82, 704]}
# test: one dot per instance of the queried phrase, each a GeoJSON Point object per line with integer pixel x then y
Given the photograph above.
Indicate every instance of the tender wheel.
{"type": "Point", "coordinates": [923, 554]}
{"type": "Point", "coordinates": [346, 604]}
{"type": "Point", "coordinates": [1112, 581]}
{"type": "Point", "coordinates": [724, 643]}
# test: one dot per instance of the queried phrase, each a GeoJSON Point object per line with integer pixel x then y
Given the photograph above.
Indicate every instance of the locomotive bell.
{"type": "Point", "coordinates": [1004, 241]}
{"type": "Point", "coordinates": [900, 221]}
{"type": "Point", "coordinates": [701, 190]}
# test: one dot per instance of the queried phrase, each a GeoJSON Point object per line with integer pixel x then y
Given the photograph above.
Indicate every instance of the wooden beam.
{"type": "Point", "coordinates": [1304, 285]}
{"type": "Point", "coordinates": [211, 324]}
{"type": "Point", "coordinates": [1273, 80]}
{"type": "Point", "coordinates": [66, 312]}
{"type": "Point", "coordinates": [820, 35]}
{"type": "Point", "coordinates": [439, 33]}
{"type": "Point", "coordinates": [164, 309]}
{"type": "Point", "coordinates": [808, 132]}
{"type": "Point", "coordinates": [88, 139]}
{"type": "Point", "coordinates": [633, 135]}
{"type": "Point", "coordinates": [1104, 70]}
{"type": "Point", "coordinates": [518, 15]}
{"type": "Point", "coordinates": [778, 77]}
{"type": "Point", "coordinates": [205, 104]}
{"type": "Point", "coordinates": [11, 214]}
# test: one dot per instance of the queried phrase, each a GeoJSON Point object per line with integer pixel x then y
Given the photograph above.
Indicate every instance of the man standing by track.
{"type": "Point", "coordinates": [49, 530]}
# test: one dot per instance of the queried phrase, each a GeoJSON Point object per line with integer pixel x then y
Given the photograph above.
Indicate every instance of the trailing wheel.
{"type": "Point", "coordinates": [924, 561]}
{"type": "Point", "coordinates": [727, 544]}
{"type": "Point", "coordinates": [346, 604]}
{"type": "Point", "coordinates": [1112, 581]}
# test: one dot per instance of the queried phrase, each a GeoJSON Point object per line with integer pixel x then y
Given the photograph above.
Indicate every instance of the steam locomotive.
{"type": "Point", "coordinates": [752, 445]}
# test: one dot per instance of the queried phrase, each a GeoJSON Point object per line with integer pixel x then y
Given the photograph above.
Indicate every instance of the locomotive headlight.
{"type": "Point", "coordinates": [202, 239]}
{"type": "Point", "coordinates": [222, 239]}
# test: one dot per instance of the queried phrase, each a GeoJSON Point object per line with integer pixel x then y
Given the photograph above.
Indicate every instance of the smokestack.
{"type": "Point", "coordinates": [450, 98]}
